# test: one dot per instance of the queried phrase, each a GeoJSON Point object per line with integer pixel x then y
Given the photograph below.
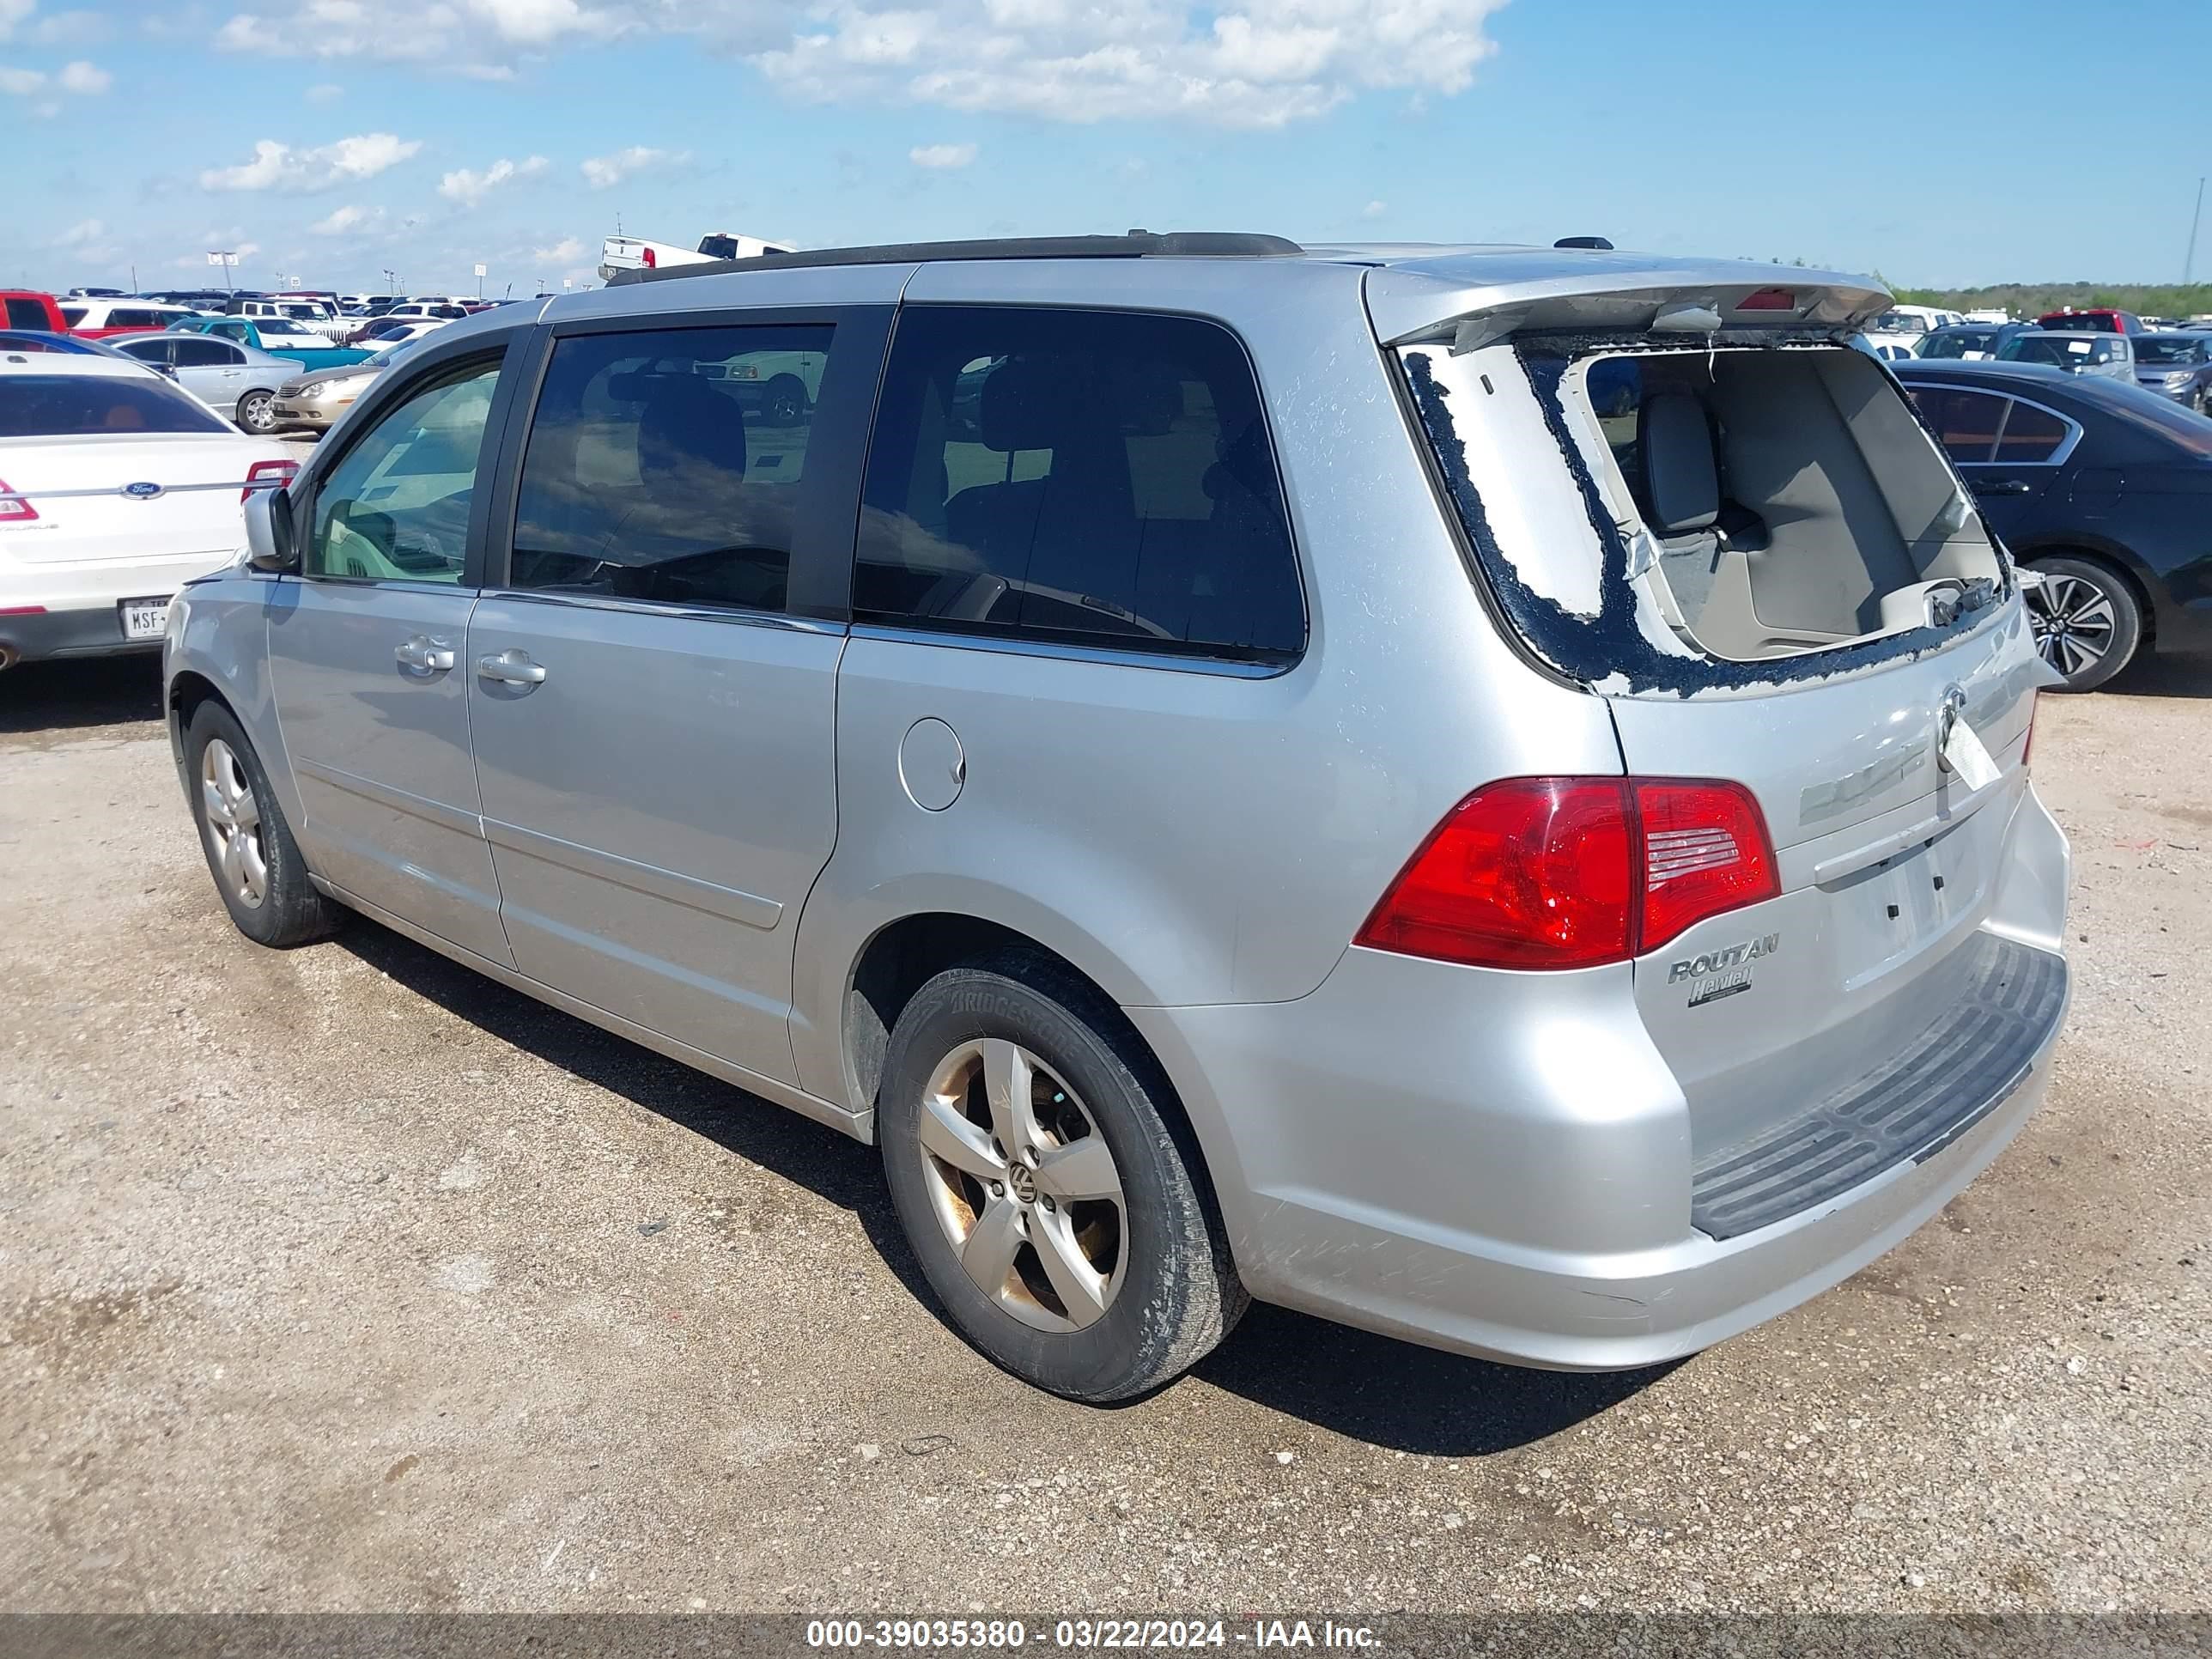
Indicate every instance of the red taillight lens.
{"type": "Point", "coordinates": [1768, 299]}
{"type": "Point", "coordinates": [268, 475]}
{"type": "Point", "coordinates": [1572, 873]}
{"type": "Point", "coordinates": [1704, 851]}
{"type": "Point", "coordinates": [651, 262]}
{"type": "Point", "coordinates": [14, 509]}
{"type": "Point", "coordinates": [1531, 872]}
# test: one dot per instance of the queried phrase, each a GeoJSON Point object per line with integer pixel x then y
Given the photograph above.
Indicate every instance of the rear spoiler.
{"type": "Point", "coordinates": [1472, 299]}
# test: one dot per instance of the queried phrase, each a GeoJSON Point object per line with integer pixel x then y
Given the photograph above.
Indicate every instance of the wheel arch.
{"type": "Point", "coordinates": [903, 954]}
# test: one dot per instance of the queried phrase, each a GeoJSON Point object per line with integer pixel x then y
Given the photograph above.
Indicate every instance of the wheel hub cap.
{"type": "Point", "coordinates": [2073, 623]}
{"type": "Point", "coordinates": [233, 822]}
{"type": "Point", "coordinates": [1023, 1185]}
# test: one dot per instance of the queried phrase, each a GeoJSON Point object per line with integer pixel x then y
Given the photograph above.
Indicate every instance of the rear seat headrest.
{"type": "Point", "coordinates": [1025, 404]}
{"type": "Point", "coordinates": [1681, 486]}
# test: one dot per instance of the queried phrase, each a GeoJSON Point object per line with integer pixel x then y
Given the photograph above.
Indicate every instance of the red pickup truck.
{"type": "Point", "coordinates": [35, 313]}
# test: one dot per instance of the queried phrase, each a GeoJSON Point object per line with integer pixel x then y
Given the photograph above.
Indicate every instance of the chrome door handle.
{"type": "Point", "coordinates": [511, 668]}
{"type": "Point", "coordinates": [430, 655]}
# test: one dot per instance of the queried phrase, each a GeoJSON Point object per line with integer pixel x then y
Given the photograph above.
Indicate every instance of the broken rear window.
{"type": "Point", "coordinates": [1663, 516]}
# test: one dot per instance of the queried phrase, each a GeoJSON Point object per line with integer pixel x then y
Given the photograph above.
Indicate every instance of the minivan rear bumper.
{"type": "Point", "coordinates": [1518, 1185]}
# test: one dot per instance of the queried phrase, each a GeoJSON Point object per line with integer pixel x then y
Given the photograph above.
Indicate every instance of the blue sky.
{"type": "Point", "coordinates": [1941, 143]}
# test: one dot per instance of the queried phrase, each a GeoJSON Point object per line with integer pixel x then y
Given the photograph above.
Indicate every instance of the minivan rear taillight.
{"type": "Point", "coordinates": [14, 509]}
{"type": "Point", "coordinates": [1573, 872]}
{"type": "Point", "coordinates": [268, 475]}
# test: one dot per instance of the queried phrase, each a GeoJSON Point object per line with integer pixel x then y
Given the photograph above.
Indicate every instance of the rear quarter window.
{"type": "Point", "coordinates": [1077, 478]}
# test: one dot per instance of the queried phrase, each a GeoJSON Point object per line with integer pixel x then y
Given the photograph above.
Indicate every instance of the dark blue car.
{"type": "Point", "coordinates": [2103, 487]}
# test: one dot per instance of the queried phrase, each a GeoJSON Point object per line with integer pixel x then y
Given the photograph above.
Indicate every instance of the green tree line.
{"type": "Point", "coordinates": [2034, 299]}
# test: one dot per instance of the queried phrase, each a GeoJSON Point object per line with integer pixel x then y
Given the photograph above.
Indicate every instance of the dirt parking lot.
{"type": "Point", "coordinates": [342, 1279]}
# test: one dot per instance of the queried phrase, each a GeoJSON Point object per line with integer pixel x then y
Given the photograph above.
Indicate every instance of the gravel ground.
{"type": "Point", "coordinates": [344, 1279]}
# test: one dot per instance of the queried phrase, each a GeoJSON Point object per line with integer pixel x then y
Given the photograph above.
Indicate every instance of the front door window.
{"type": "Point", "coordinates": [396, 508]}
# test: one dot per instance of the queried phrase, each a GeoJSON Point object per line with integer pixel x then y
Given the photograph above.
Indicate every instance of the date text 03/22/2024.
{"type": "Point", "coordinates": [1087, 1633]}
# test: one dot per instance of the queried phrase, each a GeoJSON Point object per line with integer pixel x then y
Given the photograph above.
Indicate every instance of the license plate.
{"type": "Point", "coordinates": [144, 619]}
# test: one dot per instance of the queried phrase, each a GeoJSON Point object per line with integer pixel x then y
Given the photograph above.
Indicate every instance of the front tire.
{"type": "Point", "coordinates": [2087, 621]}
{"type": "Point", "coordinates": [256, 413]}
{"type": "Point", "coordinates": [259, 870]}
{"type": "Point", "coordinates": [785, 399]}
{"type": "Point", "coordinates": [1059, 1219]}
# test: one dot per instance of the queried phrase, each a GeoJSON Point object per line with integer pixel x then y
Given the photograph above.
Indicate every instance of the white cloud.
{"type": "Point", "coordinates": [78, 76]}
{"type": "Point", "coordinates": [84, 233]}
{"type": "Point", "coordinates": [324, 92]}
{"type": "Point", "coordinates": [74, 29]}
{"type": "Point", "coordinates": [604, 171]}
{"type": "Point", "coordinates": [469, 188]}
{"type": "Point", "coordinates": [344, 220]}
{"type": "Point", "coordinates": [13, 12]}
{"type": "Point", "coordinates": [1374, 209]}
{"type": "Point", "coordinates": [560, 252]}
{"type": "Point", "coordinates": [941, 156]}
{"type": "Point", "coordinates": [280, 167]}
{"type": "Point", "coordinates": [1247, 63]}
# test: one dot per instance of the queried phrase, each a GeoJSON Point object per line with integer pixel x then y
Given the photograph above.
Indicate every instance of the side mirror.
{"type": "Point", "coordinates": [271, 543]}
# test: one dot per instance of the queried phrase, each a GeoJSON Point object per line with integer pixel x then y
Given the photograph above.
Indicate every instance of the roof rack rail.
{"type": "Point", "coordinates": [1135, 245]}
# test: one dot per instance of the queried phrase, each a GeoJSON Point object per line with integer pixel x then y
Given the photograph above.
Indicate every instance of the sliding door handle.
{"type": "Point", "coordinates": [511, 668]}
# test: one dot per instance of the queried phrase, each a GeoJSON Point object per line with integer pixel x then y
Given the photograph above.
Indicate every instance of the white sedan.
{"type": "Point", "coordinates": [116, 487]}
{"type": "Point", "coordinates": [405, 330]}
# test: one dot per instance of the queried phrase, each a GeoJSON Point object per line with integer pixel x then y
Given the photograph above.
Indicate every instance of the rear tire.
{"type": "Point", "coordinates": [1084, 1257]}
{"type": "Point", "coordinates": [259, 871]}
{"type": "Point", "coordinates": [2086, 620]}
{"type": "Point", "coordinates": [256, 413]}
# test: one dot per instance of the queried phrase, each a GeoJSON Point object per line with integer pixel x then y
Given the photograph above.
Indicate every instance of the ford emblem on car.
{"type": "Point", "coordinates": [142, 491]}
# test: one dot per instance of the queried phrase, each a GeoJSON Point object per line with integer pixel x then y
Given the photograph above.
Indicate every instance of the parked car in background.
{"type": "Point", "coordinates": [238, 382]}
{"type": "Point", "coordinates": [318, 315]}
{"type": "Point", "coordinates": [1907, 326]}
{"type": "Point", "coordinates": [116, 487]}
{"type": "Point", "coordinates": [97, 294]}
{"type": "Point", "coordinates": [2108, 355]}
{"type": "Point", "coordinates": [101, 320]}
{"type": "Point", "coordinates": [404, 330]}
{"type": "Point", "coordinates": [313, 403]}
{"type": "Point", "coordinates": [2177, 366]}
{"type": "Point", "coordinates": [282, 337]}
{"type": "Point", "coordinates": [1969, 341]}
{"type": "Point", "coordinates": [2102, 487]}
{"type": "Point", "coordinates": [27, 309]}
{"type": "Point", "coordinates": [2101, 319]}
{"type": "Point", "coordinates": [1244, 822]}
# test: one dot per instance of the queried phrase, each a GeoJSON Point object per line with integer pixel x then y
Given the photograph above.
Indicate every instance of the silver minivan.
{"type": "Point", "coordinates": [1481, 792]}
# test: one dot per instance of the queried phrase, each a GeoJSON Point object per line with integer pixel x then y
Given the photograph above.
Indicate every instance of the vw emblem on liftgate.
{"type": "Point", "coordinates": [142, 491]}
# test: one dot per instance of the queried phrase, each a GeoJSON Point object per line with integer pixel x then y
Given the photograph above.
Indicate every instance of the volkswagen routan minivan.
{"type": "Point", "coordinates": [1481, 792]}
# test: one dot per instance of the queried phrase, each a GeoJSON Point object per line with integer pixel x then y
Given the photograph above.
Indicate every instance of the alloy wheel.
{"type": "Point", "coordinates": [233, 823]}
{"type": "Point", "coordinates": [2073, 623]}
{"type": "Point", "coordinates": [1023, 1185]}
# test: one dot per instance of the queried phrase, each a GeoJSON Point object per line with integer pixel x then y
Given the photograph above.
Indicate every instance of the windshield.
{"type": "Point", "coordinates": [2060, 350]}
{"type": "Point", "coordinates": [79, 405]}
{"type": "Point", "coordinates": [2169, 351]}
{"type": "Point", "coordinates": [282, 326]}
{"type": "Point", "coordinates": [1901, 322]}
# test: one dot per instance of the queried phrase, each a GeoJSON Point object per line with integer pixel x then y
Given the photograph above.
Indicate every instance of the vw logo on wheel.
{"type": "Point", "coordinates": [142, 491]}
